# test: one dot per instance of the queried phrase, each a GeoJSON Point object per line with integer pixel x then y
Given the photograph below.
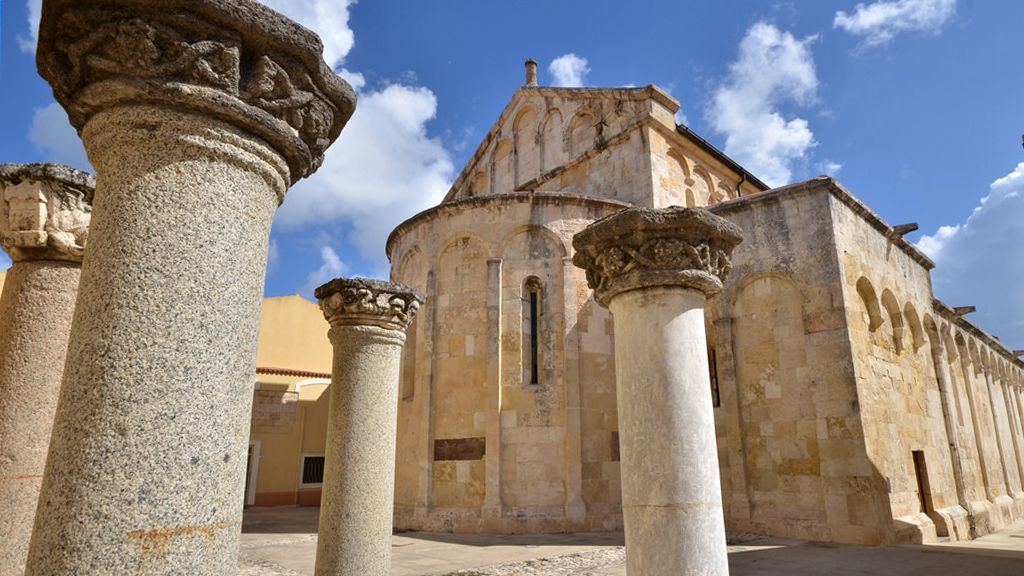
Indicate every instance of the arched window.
{"type": "Point", "coordinates": [532, 294]}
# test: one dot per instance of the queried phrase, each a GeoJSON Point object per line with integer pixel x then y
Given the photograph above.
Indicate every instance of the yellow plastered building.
{"type": "Point", "coordinates": [290, 404]}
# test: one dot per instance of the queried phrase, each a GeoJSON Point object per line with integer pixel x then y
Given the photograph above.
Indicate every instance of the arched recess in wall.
{"type": "Point", "coordinates": [412, 271]}
{"type": "Point", "coordinates": [712, 315]}
{"type": "Point", "coordinates": [502, 167]}
{"type": "Point", "coordinates": [552, 147]}
{"type": "Point", "coordinates": [533, 359]}
{"type": "Point", "coordinates": [532, 274]}
{"type": "Point", "coordinates": [678, 176]}
{"type": "Point", "coordinates": [702, 186]}
{"type": "Point", "coordinates": [772, 377]}
{"type": "Point", "coordinates": [722, 193]}
{"type": "Point", "coordinates": [582, 133]}
{"type": "Point", "coordinates": [914, 322]}
{"type": "Point", "coordinates": [527, 157]}
{"type": "Point", "coordinates": [615, 122]}
{"type": "Point", "coordinates": [972, 349]}
{"type": "Point", "coordinates": [870, 300]}
{"type": "Point", "coordinates": [459, 369]}
{"type": "Point", "coordinates": [892, 308]}
{"type": "Point", "coordinates": [949, 364]}
{"type": "Point", "coordinates": [478, 185]}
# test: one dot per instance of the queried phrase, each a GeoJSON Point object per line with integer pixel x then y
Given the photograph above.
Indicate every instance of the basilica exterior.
{"type": "Point", "coordinates": [850, 404]}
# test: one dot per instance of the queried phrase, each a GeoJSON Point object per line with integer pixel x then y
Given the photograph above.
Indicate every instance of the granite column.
{"type": "Point", "coordinates": [197, 115]}
{"type": "Point", "coordinates": [368, 320]}
{"type": "Point", "coordinates": [655, 269]}
{"type": "Point", "coordinates": [44, 224]}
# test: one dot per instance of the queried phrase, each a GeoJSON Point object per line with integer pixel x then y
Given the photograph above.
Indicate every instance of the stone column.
{"type": "Point", "coordinates": [368, 320]}
{"type": "Point", "coordinates": [44, 222]}
{"type": "Point", "coordinates": [654, 269]}
{"type": "Point", "coordinates": [197, 115]}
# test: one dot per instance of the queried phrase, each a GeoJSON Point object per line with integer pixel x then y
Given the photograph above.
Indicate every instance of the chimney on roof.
{"type": "Point", "coordinates": [531, 72]}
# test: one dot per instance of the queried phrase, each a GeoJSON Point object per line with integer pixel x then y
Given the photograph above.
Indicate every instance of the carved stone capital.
{"type": "Point", "coordinates": [235, 60]}
{"type": "Point", "coordinates": [365, 302]}
{"type": "Point", "coordinates": [45, 211]}
{"type": "Point", "coordinates": [645, 247]}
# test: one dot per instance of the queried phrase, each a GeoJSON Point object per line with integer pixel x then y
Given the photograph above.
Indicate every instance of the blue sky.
{"type": "Point", "coordinates": [914, 105]}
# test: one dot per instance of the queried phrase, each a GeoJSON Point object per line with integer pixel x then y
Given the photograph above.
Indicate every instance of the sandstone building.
{"type": "Point", "coordinates": [851, 405]}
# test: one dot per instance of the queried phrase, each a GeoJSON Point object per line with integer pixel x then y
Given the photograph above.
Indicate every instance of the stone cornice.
{"type": "Point", "coordinates": [235, 60]}
{"type": "Point", "coordinates": [366, 302]}
{"type": "Point", "coordinates": [45, 211]}
{"type": "Point", "coordinates": [531, 198]}
{"type": "Point", "coordinates": [644, 247]}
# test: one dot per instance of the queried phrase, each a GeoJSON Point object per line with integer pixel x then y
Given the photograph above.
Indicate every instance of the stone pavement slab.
{"type": "Point", "coordinates": [282, 542]}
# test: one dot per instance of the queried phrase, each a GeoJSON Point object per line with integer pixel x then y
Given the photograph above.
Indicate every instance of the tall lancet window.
{"type": "Point", "coordinates": [532, 294]}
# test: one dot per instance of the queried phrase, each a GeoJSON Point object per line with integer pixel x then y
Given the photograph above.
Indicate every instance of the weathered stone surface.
{"type": "Point", "coordinates": [236, 60]}
{"type": "Point", "coordinates": [642, 247]}
{"type": "Point", "coordinates": [368, 321]}
{"type": "Point", "coordinates": [45, 210]}
{"type": "Point", "coordinates": [197, 117]}
{"type": "Point", "coordinates": [44, 219]}
{"type": "Point", "coordinates": [364, 301]}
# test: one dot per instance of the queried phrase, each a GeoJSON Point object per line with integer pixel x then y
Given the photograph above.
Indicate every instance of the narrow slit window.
{"type": "Point", "coordinates": [716, 399]}
{"type": "Point", "coordinates": [531, 330]}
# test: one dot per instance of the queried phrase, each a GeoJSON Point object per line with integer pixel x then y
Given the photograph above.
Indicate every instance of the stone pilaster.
{"type": "Point", "coordinates": [491, 510]}
{"type": "Point", "coordinates": [655, 269]}
{"type": "Point", "coordinates": [44, 224]}
{"type": "Point", "coordinates": [197, 115]}
{"type": "Point", "coordinates": [368, 320]}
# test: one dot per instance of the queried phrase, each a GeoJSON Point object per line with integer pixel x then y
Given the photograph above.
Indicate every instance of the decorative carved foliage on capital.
{"type": "Point", "coordinates": [232, 59]}
{"type": "Point", "coordinates": [645, 247]}
{"type": "Point", "coordinates": [45, 211]}
{"type": "Point", "coordinates": [366, 302]}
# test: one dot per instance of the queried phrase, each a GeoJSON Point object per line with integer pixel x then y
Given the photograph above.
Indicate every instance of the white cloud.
{"type": "Point", "coordinates": [332, 267]}
{"type": "Point", "coordinates": [273, 257]}
{"type": "Point", "coordinates": [35, 11]}
{"type": "Point", "coordinates": [979, 261]}
{"type": "Point", "coordinates": [829, 168]}
{"type": "Point", "coordinates": [773, 68]}
{"type": "Point", "coordinates": [383, 169]}
{"type": "Point", "coordinates": [881, 21]}
{"type": "Point", "coordinates": [569, 71]}
{"type": "Point", "coordinates": [328, 18]}
{"type": "Point", "coordinates": [55, 138]}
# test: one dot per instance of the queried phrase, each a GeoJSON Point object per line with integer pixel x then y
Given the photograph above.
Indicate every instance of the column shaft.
{"type": "Point", "coordinates": [655, 269]}
{"type": "Point", "coordinates": [667, 433]}
{"type": "Point", "coordinates": [359, 473]}
{"type": "Point", "coordinates": [35, 320]}
{"type": "Point", "coordinates": [146, 467]}
{"type": "Point", "coordinates": [368, 322]}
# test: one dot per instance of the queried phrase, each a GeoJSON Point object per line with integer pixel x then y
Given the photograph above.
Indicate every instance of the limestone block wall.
{"type": "Point", "coordinates": [621, 144]}
{"type": "Point", "coordinates": [791, 441]}
{"type": "Point", "coordinates": [905, 407]}
{"type": "Point", "coordinates": [507, 418]}
{"type": "Point", "coordinates": [886, 282]}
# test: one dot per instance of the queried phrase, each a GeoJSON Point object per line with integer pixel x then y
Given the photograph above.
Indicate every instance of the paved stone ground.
{"type": "Point", "coordinates": [282, 542]}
